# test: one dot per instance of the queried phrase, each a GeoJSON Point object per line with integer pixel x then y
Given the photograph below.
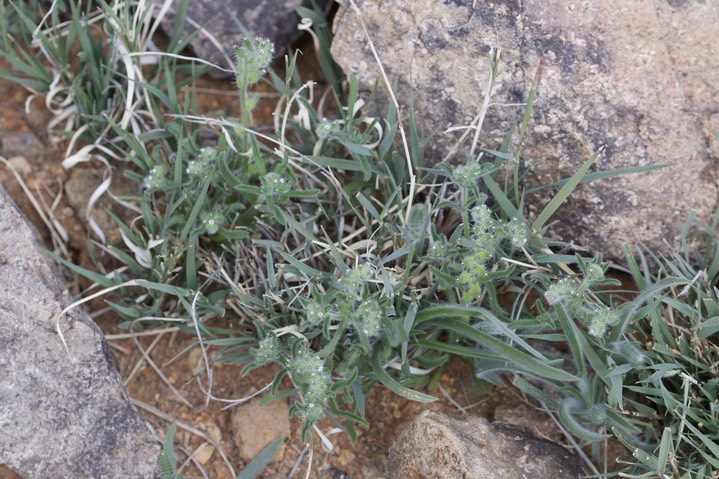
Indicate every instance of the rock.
{"type": "Point", "coordinates": [255, 426]}
{"type": "Point", "coordinates": [21, 165]}
{"type": "Point", "coordinates": [207, 450]}
{"type": "Point", "coordinates": [635, 77]}
{"type": "Point", "coordinates": [275, 20]}
{"type": "Point", "coordinates": [438, 446]}
{"type": "Point", "coordinates": [22, 143]}
{"type": "Point", "coordinates": [60, 416]}
{"type": "Point", "coordinates": [204, 453]}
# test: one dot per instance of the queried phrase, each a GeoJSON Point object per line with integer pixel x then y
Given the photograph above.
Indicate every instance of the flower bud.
{"type": "Point", "coordinates": [211, 221]}
{"type": "Point", "coordinates": [252, 59]}
{"type": "Point", "coordinates": [274, 184]}
{"type": "Point", "coordinates": [267, 350]}
{"type": "Point", "coordinates": [156, 179]}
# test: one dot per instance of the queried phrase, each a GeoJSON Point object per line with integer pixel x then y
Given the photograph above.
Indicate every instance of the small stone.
{"type": "Point", "coordinates": [204, 453]}
{"type": "Point", "coordinates": [194, 361]}
{"type": "Point", "coordinates": [439, 446]}
{"type": "Point", "coordinates": [255, 426]}
{"type": "Point", "coordinates": [22, 143]}
{"type": "Point", "coordinates": [20, 164]}
{"type": "Point", "coordinates": [214, 432]}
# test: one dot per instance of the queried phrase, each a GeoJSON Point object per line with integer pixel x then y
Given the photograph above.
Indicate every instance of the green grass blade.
{"type": "Point", "coordinates": [448, 311]}
{"type": "Point", "coordinates": [572, 333]}
{"type": "Point", "coordinates": [602, 175]}
{"type": "Point", "coordinates": [455, 349]}
{"type": "Point", "coordinates": [563, 193]}
{"type": "Point", "coordinates": [508, 353]}
{"type": "Point", "coordinates": [509, 210]}
{"type": "Point", "coordinates": [255, 467]}
{"type": "Point", "coordinates": [666, 446]}
{"type": "Point", "coordinates": [199, 203]}
{"type": "Point", "coordinates": [393, 385]}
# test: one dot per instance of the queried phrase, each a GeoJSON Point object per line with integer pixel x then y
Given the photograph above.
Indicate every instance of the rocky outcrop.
{"type": "Point", "coordinates": [637, 78]}
{"type": "Point", "coordinates": [438, 446]}
{"type": "Point", "coordinates": [61, 416]}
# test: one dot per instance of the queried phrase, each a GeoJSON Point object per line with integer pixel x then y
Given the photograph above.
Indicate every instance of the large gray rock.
{"type": "Point", "coordinates": [636, 77]}
{"type": "Point", "coordinates": [438, 446]}
{"type": "Point", "coordinates": [275, 20]}
{"type": "Point", "coordinates": [60, 416]}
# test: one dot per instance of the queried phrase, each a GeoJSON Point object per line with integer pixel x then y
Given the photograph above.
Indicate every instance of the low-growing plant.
{"type": "Point", "coordinates": [335, 265]}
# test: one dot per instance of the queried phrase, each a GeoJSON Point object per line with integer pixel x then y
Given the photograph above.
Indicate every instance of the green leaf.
{"type": "Point", "coordinates": [713, 447]}
{"type": "Point", "coordinates": [393, 385]}
{"type": "Point", "coordinates": [666, 446]}
{"type": "Point", "coordinates": [448, 311]}
{"type": "Point", "coordinates": [563, 193]}
{"type": "Point", "coordinates": [368, 206]}
{"type": "Point", "coordinates": [458, 350]}
{"type": "Point", "coordinates": [509, 210]}
{"type": "Point", "coordinates": [707, 328]}
{"type": "Point", "coordinates": [601, 175]}
{"type": "Point", "coordinates": [527, 387]}
{"type": "Point", "coordinates": [336, 163]}
{"type": "Point", "coordinates": [166, 462]}
{"type": "Point", "coordinates": [309, 271]}
{"type": "Point", "coordinates": [572, 332]}
{"type": "Point", "coordinates": [199, 203]}
{"type": "Point", "coordinates": [508, 353]}
{"type": "Point", "coordinates": [91, 275]}
{"type": "Point", "coordinates": [255, 467]}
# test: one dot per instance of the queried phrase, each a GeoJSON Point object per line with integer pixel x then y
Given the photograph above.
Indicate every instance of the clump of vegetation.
{"type": "Point", "coordinates": [338, 255]}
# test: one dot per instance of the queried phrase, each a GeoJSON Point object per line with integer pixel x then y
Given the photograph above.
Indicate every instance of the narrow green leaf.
{"type": "Point", "coordinates": [368, 206]}
{"type": "Point", "coordinates": [336, 163]}
{"type": "Point", "coordinates": [458, 350]}
{"type": "Point", "coordinates": [665, 447]}
{"type": "Point", "coordinates": [298, 226]}
{"type": "Point", "coordinates": [197, 207]}
{"type": "Point", "coordinates": [300, 266]}
{"type": "Point", "coordinates": [91, 275]}
{"type": "Point", "coordinates": [448, 311]}
{"type": "Point", "coordinates": [407, 325]}
{"type": "Point", "coordinates": [393, 385]}
{"type": "Point", "coordinates": [255, 467]}
{"type": "Point", "coordinates": [563, 193]}
{"type": "Point", "coordinates": [576, 428]}
{"type": "Point", "coordinates": [527, 387]}
{"type": "Point", "coordinates": [509, 210]}
{"type": "Point", "coordinates": [508, 353]}
{"type": "Point", "coordinates": [711, 445]}
{"type": "Point", "coordinates": [601, 175]}
{"type": "Point", "coordinates": [572, 332]}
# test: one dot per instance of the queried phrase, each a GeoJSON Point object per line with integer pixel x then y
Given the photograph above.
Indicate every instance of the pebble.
{"type": "Point", "coordinates": [255, 426]}
{"type": "Point", "coordinates": [21, 164]}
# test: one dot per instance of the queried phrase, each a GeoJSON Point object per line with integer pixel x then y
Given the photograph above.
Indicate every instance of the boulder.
{"type": "Point", "coordinates": [224, 24]}
{"type": "Point", "coordinates": [636, 78]}
{"type": "Point", "coordinates": [439, 446]}
{"type": "Point", "coordinates": [63, 416]}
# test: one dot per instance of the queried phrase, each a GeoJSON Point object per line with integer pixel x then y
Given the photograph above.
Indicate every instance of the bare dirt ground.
{"type": "Point", "coordinates": [26, 144]}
